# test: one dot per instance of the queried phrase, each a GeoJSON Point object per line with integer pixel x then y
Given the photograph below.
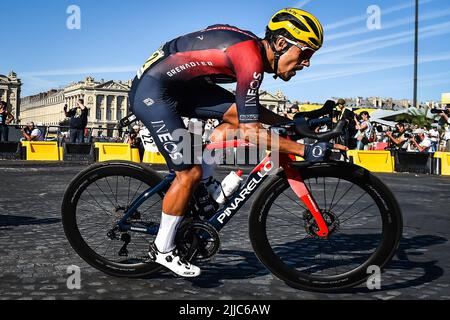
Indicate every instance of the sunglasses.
{"type": "Point", "coordinates": [307, 51]}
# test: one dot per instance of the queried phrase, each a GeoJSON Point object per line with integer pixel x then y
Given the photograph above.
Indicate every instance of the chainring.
{"type": "Point", "coordinates": [197, 241]}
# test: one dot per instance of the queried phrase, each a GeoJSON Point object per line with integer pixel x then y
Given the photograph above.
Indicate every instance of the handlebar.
{"type": "Point", "coordinates": [304, 120]}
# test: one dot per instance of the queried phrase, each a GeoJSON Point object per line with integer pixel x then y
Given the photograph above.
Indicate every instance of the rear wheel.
{"type": "Point", "coordinates": [93, 204]}
{"type": "Point", "coordinates": [363, 216]}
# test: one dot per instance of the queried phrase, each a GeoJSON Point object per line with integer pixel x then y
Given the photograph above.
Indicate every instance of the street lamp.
{"type": "Point", "coordinates": [416, 54]}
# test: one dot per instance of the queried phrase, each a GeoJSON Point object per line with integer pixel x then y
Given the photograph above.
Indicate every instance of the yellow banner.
{"type": "Point", "coordinates": [446, 98]}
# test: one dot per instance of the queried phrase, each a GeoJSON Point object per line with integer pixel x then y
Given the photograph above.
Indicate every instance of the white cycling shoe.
{"type": "Point", "coordinates": [173, 262]}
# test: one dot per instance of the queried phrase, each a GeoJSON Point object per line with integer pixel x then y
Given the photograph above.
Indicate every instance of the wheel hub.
{"type": "Point", "coordinates": [311, 227]}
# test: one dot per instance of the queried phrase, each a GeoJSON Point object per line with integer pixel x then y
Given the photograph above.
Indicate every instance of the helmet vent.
{"type": "Point", "coordinates": [314, 41]}
{"type": "Point", "coordinates": [312, 26]}
{"type": "Point", "coordinates": [288, 17]}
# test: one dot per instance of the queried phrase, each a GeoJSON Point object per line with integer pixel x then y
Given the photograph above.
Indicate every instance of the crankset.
{"type": "Point", "coordinates": [197, 241]}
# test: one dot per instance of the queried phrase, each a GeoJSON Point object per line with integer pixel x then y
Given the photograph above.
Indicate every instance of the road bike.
{"type": "Point", "coordinates": [316, 226]}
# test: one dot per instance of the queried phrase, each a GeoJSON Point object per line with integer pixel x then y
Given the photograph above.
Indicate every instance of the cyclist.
{"type": "Point", "coordinates": [180, 80]}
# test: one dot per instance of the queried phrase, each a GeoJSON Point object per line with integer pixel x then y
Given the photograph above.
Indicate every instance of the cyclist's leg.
{"type": "Point", "coordinates": [152, 104]}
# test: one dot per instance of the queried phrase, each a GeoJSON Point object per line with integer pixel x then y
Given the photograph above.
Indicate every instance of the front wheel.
{"type": "Point", "coordinates": [363, 216]}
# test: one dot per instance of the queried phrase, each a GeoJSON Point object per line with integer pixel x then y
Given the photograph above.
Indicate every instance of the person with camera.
{"type": "Point", "coordinates": [364, 128]}
{"type": "Point", "coordinates": [78, 121]}
{"type": "Point", "coordinates": [446, 139]}
{"type": "Point", "coordinates": [5, 119]}
{"type": "Point", "coordinates": [32, 133]}
{"type": "Point", "coordinates": [434, 136]}
{"type": "Point", "coordinates": [420, 141]}
{"type": "Point", "coordinates": [398, 138]}
{"type": "Point", "coordinates": [445, 115]}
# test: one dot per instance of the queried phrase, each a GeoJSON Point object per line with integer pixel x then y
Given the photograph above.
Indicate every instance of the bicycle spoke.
{"type": "Point", "coordinates": [106, 178]}
{"type": "Point", "coordinates": [159, 201]}
{"type": "Point", "coordinates": [287, 221]}
{"type": "Point", "coordinates": [132, 199]}
{"type": "Point", "coordinates": [345, 210]}
{"type": "Point", "coordinates": [295, 201]}
{"type": "Point", "coordinates": [101, 190]}
{"type": "Point", "coordinates": [288, 211]}
{"type": "Point", "coordinates": [334, 195]}
{"type": "Point", "coordinates": [358, 212]}
{"type": "Point", "coordinates": [109, 214]}
{"type": "Point", "coordinates": [348, 190]}
{"type": "Point", "coordinates": [129, 186]}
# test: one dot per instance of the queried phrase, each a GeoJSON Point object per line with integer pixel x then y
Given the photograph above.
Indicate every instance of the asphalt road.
{"type": "Point", "coordinates": [34, 253]}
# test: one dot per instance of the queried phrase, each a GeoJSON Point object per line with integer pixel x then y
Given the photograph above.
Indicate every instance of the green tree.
{"type": "Point", "coordinates": [417, 117]}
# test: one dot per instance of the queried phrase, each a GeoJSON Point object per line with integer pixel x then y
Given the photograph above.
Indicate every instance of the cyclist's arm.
{"type": "Point", "coordinates": [271, 118]}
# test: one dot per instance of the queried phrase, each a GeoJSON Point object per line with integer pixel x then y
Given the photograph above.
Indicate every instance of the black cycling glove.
{"type": "Point", "coordinates": [318, 152]}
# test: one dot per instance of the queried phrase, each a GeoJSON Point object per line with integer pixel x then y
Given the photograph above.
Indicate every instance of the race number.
{"type": "Point", "coordinates": [148, 141]}
{"type": "Point", "coordinates": [158, 54]}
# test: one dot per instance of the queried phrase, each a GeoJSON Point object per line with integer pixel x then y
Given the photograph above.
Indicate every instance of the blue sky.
{"type": "Point", "coordinates": [117, 36]}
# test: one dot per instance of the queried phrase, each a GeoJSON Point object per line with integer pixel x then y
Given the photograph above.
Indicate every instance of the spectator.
{"type": "Point", "coordinates": [421, 141]}
{"type": "Point", "coordinates": [446, 115]}
{"type": "Point", "coordinates": [398, 138]}
{"type": "Point", "coordinates": [295, 109]}
{"type": "Point", "coordinates": [364, 128]}
{"type": "Point", "coordinates": [32, 133]}
{"type": "Point", "coordinates": [133, 138]}
{"type": "Point", "coordinates": [446, 138]}
{"type": "Point", "coordinates": [78, 121]}
{"type": "Point", "coordinates": [5, 119]}
{"type": "Point", "coordinates": [434, 137]}
{"type": "Point", "coordinates": [135, 141]}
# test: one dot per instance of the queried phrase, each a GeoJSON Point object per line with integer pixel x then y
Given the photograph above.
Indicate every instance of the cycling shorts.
{"type": "Point", "coordinates": [161, 106]}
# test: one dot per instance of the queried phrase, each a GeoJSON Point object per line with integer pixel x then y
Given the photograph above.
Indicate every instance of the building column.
{"type": "Point", "coordinates": [114, 108]}
{"type": "Point", "coordinates": [104, 108]}
{"type": "Point", "coordinates": [125, 107]}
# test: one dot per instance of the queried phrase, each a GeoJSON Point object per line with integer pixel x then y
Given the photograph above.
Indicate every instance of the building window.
{"type": "Point", "coordinates": [109, 108]}
{"type": "Point", "coordinates": [120, 114]}
{"type": "Point", "coordinates": [98, 114]}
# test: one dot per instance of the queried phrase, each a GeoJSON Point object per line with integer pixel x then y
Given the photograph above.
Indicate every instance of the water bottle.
{"type": "Point", "coordinates": [228, 187]}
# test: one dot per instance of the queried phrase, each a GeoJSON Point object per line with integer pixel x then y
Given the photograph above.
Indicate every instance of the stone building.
{"type": "Point", "coordinates": [275, 102]}
{"type": "Point", "coordinates": [10, 87]}
{"type": "Point", "coordinates": [107, 103]}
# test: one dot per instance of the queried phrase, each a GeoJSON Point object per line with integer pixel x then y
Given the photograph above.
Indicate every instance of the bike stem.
{"type": "Point", "coordinates": [301, 190]}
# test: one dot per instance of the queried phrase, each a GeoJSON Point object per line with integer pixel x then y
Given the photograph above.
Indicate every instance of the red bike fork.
{"type": "Point", "coordinates": [301, 190]}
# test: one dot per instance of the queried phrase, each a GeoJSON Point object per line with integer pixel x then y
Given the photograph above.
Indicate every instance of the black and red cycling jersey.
{"type": "Point", "coordinates": [217, 54]}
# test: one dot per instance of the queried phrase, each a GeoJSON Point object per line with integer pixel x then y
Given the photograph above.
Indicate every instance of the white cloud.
{"type": "Point", "coordinates": [301, 4]}
{"type": "Point", "coordinates": [390, 25]}
{"type": "Point", "coordinates": [385, 11]}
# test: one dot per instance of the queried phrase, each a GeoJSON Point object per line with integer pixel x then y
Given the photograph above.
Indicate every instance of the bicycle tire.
{"type": "Point", "coordinates": [391, 217]}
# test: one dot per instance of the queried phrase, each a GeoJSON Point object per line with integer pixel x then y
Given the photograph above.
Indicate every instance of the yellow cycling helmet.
{"type": "Point", "coordinates": [301, 25]}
